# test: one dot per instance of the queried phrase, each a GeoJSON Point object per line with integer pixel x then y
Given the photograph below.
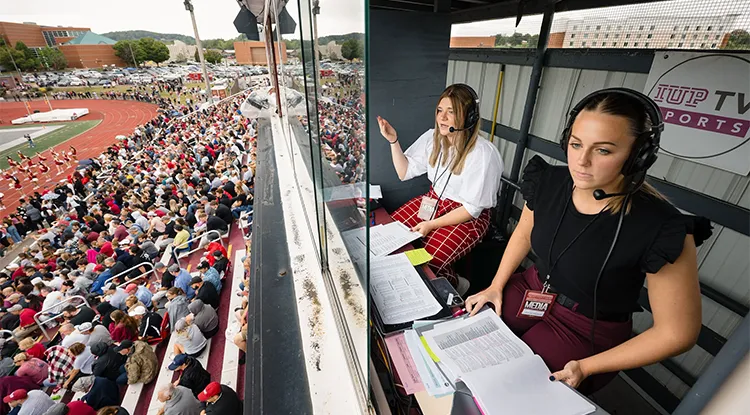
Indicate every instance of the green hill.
{"type": "Point", "coordinates": [139, 34]}
{"type": "Point", "coordinates": [339, 39]}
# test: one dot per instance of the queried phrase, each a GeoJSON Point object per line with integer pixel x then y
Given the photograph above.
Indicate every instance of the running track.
{"type": "Point", "coordinates": [118, 117]}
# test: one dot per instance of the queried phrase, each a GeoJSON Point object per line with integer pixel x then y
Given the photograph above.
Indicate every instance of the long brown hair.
{"type": "Point", "coordinates": [119, 317]}
{"type": "Point", "coordinates": [634, 111]}
{"type": "Point", "coordinates": [465, 140]}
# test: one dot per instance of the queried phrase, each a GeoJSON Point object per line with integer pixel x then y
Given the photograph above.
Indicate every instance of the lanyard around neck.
{"type": "Point", "coordinates": [557, 230]}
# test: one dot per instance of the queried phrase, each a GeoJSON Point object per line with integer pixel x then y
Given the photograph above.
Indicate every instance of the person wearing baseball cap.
{"type": "Point", "coordinates": [205, 292]}
{"type": "Point", "coordinates": [220, 399]}
{"type": "Point", "coordinates": [32, 402]}
{"type": "Point", "coordinates": [149, 323]}
{"type": "Point", "coordinates": [193, 376]}
{"type": "Point", "coordinates": [11, 320]}
{"type": "Point", "coordinates": [142, 293]}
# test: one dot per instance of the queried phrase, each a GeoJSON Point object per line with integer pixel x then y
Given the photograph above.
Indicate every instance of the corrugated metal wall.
{"type": "Point", "coordinates": [724, 260]}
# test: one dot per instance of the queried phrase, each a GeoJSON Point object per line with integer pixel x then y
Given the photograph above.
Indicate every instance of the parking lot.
{"type": "Point", "coordinates": [109, 77]}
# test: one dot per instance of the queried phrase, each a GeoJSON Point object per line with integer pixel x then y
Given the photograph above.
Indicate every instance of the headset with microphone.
{"type": "Point", "coordinates": [642, 156]}
{"type": "Point", "coordinates": [471, 117]}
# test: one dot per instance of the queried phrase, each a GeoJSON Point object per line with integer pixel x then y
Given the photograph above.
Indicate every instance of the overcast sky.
{"type": "Point", "coordinates": [670, 9]}
{"type": "Point", "coordinates": [337, 16]}
{"type": "Point", "coordinates": [214, 17]}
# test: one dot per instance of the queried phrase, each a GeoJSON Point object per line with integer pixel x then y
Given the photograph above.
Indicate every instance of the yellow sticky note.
{"type": "Point", "coordinates": [427, 347]}
{"type": "Point", "coordinates": [418, 256]}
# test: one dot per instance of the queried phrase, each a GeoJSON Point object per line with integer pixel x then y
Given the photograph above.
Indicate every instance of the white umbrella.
{"type": "Point", "coordinates": [121, 137]}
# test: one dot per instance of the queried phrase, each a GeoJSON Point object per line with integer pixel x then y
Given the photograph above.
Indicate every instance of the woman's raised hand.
{"type": "Point", "coordinates": [387, 130]}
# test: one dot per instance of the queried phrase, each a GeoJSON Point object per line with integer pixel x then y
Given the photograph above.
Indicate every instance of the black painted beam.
{"type": "Point", "coordinates": [653, 388]}
{"type": "Point", "coordinates": [275, 371]}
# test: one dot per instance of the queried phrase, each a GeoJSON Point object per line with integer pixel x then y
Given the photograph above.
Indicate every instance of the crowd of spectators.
{"type": "Point", "coordinates": [81, 309]}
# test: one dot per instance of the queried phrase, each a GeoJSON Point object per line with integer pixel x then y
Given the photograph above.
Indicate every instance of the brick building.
{"type": "Point", "coordinates": [35, 36]}
{"type": "Point", "coordinates": [254, 52]}
{"type": "Point", "coordinates": [90, 50]}
{"type": "Point", "coordinates": [473, 42]}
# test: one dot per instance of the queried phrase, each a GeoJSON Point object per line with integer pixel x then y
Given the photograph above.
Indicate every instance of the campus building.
{"type": "Point", "coordinates": [254, 52]}
{"type": "Point", "coordinates": [36, 36]}
{"type": "Point", "coordinates": [180, 51]}
{"type": "Point", "coordinates": [643, 32]}
{"type": "Point", "coordinates": [473, 41]}
{"type": "Point", "coordinates": [82, 47]}
{"type": "Point", "coordinates": [90, 50]}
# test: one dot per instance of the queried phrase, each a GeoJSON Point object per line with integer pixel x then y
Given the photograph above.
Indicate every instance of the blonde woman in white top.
{"type": "Point", "coordinates": [464, 170]}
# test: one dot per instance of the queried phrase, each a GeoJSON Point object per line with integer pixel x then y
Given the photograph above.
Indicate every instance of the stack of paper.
{"type": "Point", "coordinates": [351, 191]}
{"type": "Point", "coordinates": [385, 239]}
{"type": "Point", "coordinates": [504, 375]}
{"type": "Point", "coordinates": [399, 293]}
{"type": "Point", "coordinates": [522, 386]}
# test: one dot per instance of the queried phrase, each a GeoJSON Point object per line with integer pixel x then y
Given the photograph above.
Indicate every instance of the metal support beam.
{"type": "Point", "coordinates": [442, 6]}
{"type": "Point", "coordinates": [717, 372]}
{"type": "Point", "coordinates": [528, 110]}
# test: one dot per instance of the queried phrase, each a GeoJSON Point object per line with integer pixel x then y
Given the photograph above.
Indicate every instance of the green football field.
{"type": "Point", "coordinates": [46, 141]}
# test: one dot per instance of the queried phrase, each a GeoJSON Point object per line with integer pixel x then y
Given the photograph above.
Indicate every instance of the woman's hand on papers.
{"type": "Point", "coordinates": [490, 295]}
{"type": "Point", "coordinates": [424, 227]}
{"type": "Point", "coordinates": [572, 374]}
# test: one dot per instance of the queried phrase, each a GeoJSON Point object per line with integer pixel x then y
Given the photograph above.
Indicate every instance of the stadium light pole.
{"type": "Point", "coordinates": [316, 46]}
{"type": "Point", "coordinates": [132, 55]}
{"type": "Point", "coordinates": [189, 7]}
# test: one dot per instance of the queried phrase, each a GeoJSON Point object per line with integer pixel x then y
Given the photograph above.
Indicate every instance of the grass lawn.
{"type": "Point", "coordinates": [122, 88]}
{"type": "Point", "coordinates": [70, 130]}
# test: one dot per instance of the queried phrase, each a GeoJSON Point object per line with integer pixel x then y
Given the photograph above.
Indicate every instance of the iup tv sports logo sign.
{"type": "Point", "coordinates": [705, 102]}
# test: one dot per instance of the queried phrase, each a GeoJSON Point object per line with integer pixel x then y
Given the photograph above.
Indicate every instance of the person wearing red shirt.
{"type": "Point", "coordinates": [107, 249]}
{"type": "Point", "coordinates": [27, 317]}
{"type": "Point", "coordinates": [32, 349]}
{"type": "Point", "coordinates": [214, 246]}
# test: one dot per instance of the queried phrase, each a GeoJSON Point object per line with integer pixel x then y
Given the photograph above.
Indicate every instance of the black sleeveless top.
{"type": "Point", "coordinates": [653, 233]}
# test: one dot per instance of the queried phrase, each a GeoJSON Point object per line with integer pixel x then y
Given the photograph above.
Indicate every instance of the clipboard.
{"type": "Point", "coordinates": [385, 329]}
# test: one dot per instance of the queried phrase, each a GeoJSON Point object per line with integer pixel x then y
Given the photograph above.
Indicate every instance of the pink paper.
{"type": "Point", "coordinates": [403, 363]}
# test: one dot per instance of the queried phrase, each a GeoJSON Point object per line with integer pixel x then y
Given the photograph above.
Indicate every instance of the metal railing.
{"type": "Point", "coordinates": [196, 238]}
{"type": "Point", "coordinates": [146, 264]}
{"type": "Point", "coordinates": [56, 316]}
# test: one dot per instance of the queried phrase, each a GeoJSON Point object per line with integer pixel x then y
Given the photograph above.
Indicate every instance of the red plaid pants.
{"type": "Point", "coordinates": [449, 243]}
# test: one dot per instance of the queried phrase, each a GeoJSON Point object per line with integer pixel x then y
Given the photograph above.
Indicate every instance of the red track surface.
{"type": "Point", "coordinates": [118, 117]}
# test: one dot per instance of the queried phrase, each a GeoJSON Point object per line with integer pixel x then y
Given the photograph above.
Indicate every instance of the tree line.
{"type": "Point", "coordinates": [138, 51]}
{"type": "Point", "coordinates": [27, 60]}
{"type": "Point", "coordinates": [516, 40]}
{"type": "Point", "coordinates": [351, 48]}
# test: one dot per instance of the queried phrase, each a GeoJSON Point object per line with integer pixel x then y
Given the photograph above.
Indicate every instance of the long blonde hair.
{"type": "Point", "coordinates": [465, 140]}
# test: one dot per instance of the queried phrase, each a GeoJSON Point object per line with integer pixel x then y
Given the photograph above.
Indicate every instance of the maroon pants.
{"type": "Point", "coordinates": [563, 335]}
{"type": "Point", "coordinates": [449, 243]}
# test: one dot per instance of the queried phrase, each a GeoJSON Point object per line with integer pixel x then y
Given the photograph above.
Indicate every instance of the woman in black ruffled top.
{"type": "Point", "coordinates": [571, 232]}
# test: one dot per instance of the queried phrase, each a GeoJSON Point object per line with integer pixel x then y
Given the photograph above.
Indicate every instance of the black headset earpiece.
{"type": "Point", "coordinates": [471, 117]}
{"type": "Point", "coordinates": [645, 150]}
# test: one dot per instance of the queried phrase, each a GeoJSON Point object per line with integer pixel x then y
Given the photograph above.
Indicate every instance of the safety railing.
{"type": "Point", "coordinates": [197, 238]}
{"type": "Point", "coordinates": [144, 264]}
{"type": "Point", "coordinates": [57, 315]}
{"type": "Point", "coordinates": [12, 335]}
